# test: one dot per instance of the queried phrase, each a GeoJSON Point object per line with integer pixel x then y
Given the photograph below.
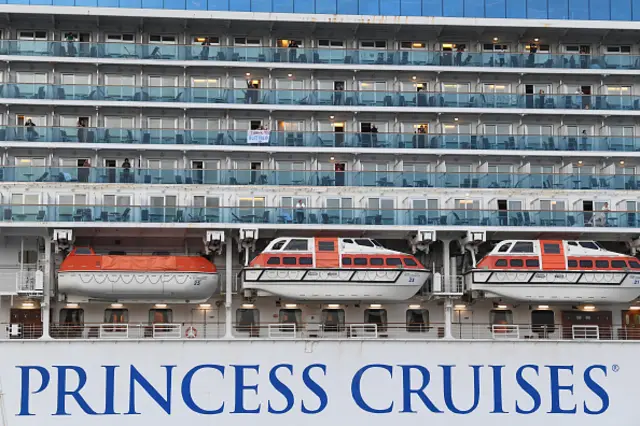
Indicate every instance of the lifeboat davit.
{"type": "Point", "coordinates": [334, 269]}
{"type": "Point", "coordinates": [85, 275]}
{"type": "Point", "coordinates": [556, 271]}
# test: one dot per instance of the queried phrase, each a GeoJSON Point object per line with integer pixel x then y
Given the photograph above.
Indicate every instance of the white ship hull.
{"type": "Point", "coordinates": [557, 286]}
{"type": "Point", "coordinates": [336, 285]}
{"type": "Point", "coordinates": [139, 286]}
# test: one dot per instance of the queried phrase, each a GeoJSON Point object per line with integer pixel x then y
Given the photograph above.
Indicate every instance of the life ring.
{"type": "Point", "coordinates": [191, 333]}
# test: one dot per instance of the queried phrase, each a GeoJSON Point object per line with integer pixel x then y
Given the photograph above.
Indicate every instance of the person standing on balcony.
{"type": "Point", "coordinates": [204, 54]}
{"type": "Point", "coordinates": [300, 206]}
{"type": "Point", "coordinates": [126, 171]}
{"type": "Point", "coordinates": [83, 173]}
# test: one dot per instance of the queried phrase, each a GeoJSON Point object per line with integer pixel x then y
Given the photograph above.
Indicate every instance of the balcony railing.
{"type": "Point", "coordinates": [320, 56]}
{"type": "Point", "coordinates": [97, 214]}
{"type": "Point", "coordinates": [317, 97]}
{"type": "Point", "coordinates": [355, 331]}
{"type": "Point", "coordinates": [490, 180]}
{"type": "Point", "coordinates": [393, 140]}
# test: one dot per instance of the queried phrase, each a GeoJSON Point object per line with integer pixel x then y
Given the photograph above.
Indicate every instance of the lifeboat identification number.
{"type": "Point", "coordinates": [553, 276]}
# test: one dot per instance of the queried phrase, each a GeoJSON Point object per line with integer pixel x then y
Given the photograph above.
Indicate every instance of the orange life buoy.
{"type": "Point", "coordinates": [191, 333]}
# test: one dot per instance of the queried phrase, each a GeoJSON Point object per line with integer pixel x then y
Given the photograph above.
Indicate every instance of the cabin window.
{"type": "Point", "coordinates": [290, 316]}
{"type": "Point", "coordinates": [516, 263]}
{"type": "Point", "coordinates": [116, 316]}
{"type": "Point", "coordinates": [501, 317]}
{"type": "Point", "coordinates": [346, 261]}
{"type": "Point", "coordinates": [417, 320]}
{"type": "Point", "coordinates": [522, 247]}
{"type": "Point", "coordinates": [273, 261]}
{"type": "Point", "coordinates": [590, 245]}
{"type": "Point", "coordinates": [393, 261]}
{"type": "Point", "coordinates": [532, 263]}
{"type": "Point", "coordinates": [160, 316]}
{"type": "Point", "coordinates": [376, 261]}
{"type": "Point", "coordinates": [573, 263]}
{"type": "Point", "coordinates": [333, 320]}
{"type": "Point", "coordinates": [306, 261]}
{"type": "Point", "coordinates": [326, 246]}
{"type": "Point", "coordinates": [298, 245]}
{"type": "Point", "coordinates": [552, 248]}
{"type": "Point", "coordinates": [634, 264]}
{"type": "Point", "coordinates": [278, 245]}
{"type": "Point", "coordinates": [410, 262]}
{"type": "Point", "coordinates": [71, 316]}
{"type": "Point", "coordinates": [363, 242]}
{"type": "Point", "coordinates": [376, 316]}
{"type": "Point", "coordinates": [289, 261]}
{"type": "Point", "coordinates": [504, 248]}
{"type": "Point", "coordinates": [83, 250]}
{"type": "Point", "coordinates": [501, 262]}
{"type": "Point", "coordinates": [602, 264]}
{"type": "Point", "coordinates": [618, 264]}
{"type": "Point", "coordinates": [360, 261]}
{"type": "Point", "coordinates": [247, 320]}
{"type": "Point", "coordinates": [586, 264]}
{"type": "Point", "coordinates": [543, 322]}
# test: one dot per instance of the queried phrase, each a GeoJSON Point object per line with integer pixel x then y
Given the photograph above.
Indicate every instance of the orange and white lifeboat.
{"type": "Point", "coordinates": [85, 275]}
{"type": "Point", "coordinates": [556, 271]}
{"type": "Point", "coordinates": [334, 269]}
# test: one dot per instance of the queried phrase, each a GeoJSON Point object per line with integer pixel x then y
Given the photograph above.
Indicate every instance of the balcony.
{"type": "Point", "coordinates": [327, 99]}
{"type": "Point", "coordinates": [108, 215]}
{"type": "Point", "coordinates": [486, 180]}
{"type": "Point", "coordinates": [511, 142]}
{"type": "Point", "coordinates": [319, 56]}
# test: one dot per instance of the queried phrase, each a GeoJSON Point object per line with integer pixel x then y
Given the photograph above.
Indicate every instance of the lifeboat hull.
{"type": "Point", "coordinates": [336, 284]}
{"type": "Point", "coordinates": [556, 286]}
{"type": "Point", "coordinates": [191, 287]}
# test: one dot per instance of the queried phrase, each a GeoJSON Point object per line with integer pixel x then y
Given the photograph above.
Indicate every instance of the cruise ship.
{"type": "Point", "coordinates": [321, 211]}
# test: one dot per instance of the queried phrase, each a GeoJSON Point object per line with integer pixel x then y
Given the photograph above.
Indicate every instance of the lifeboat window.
{"type": "Point", "coordinates": [516, 263]}
{"type": "Point", "coordinates": [290, 316]}
{"type": "Point", "coordinates": [501, 317]}
{"type": "Point", "coordinates": [586, 263]}
{"type": "Point", "coordinates": [602, 264]}
{"type": "Point", "coordinates": [590, 245]}
{"type": "Point", "coordinates": [417, 320]}
{"type": "Point", "coordinates": [393, 261]}
{"type": "Point", "coordinates": [274, 260]}
{"type": "Point", "coordinates": [377, 244]}
{"type": "Point", "coordinates": [552, 248]}
{"type": "Point", "coordinates": [83, 250]}
{"type": "Point", "coordinates": [117, 253]}
{"type": "Point", "coordinates": [333, 320]}
{"type": "Point", "coordinates": [522, 247]}
{"type": "Point", "coordinates": [376, 261]}
{"type": "Point", "coordinates": [116, 316]}
{"type": "Point", "coordinates": [326, 246]}
{"type": "Point", "coordinates": [376, 316]}
{"type": "Point", "coordinates": [278, 245]}
{"type": "Point", "coordinates": [410, 262]}
{"type": "Point", "coordinates": [634, 264]}
{"type": "Point", "coordinates": [298, 245]}
{"type": "Point", "coordinates": [306, 261]}
{"type": "Point", "coordinates": [573, 263]}
{"type": "Point", "coordinates": [543, 322]}
{"type": "Point", "coordinates": [363, 242]}
{"type": "Point", "coordinates": [572, 243]}
{"type": "Point", "coordinates": [346, 261]}
{"type": "Point", "coordinates": [248, 321]}
{"type": "Point", "coordinates": [360, 261]}
{"type": "Point", "coordinates": [160, 316]}
{"type": "Point", "coordinates": [501, 262]}
{"type": "Point", "coordinates": [71, 316]}
{"type": "Point", "coordinates": [618, 264]}
{"type": "Point", "coordinates": [289, 260]}
{"type": "Point", "coordinates": [532, 263]}
{"type": "Point", "coordinates": [504, 248]}
{"type": "Point", "coordinates": [348, 241]}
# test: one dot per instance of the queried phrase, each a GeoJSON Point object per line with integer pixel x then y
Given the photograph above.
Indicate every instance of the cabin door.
{"type": "Point", "coordinates": [30, 320]}
{"type": "Point", "coordinates": [630, 325]}
{"type": "Point", "coordinates": [603, 319]}
{"type": "Point", "coordinates": [463, 327]}
{"type": "Point", "coordinates": [552, 255]}
{"type": "Point", "coordinates": [327, 255]}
